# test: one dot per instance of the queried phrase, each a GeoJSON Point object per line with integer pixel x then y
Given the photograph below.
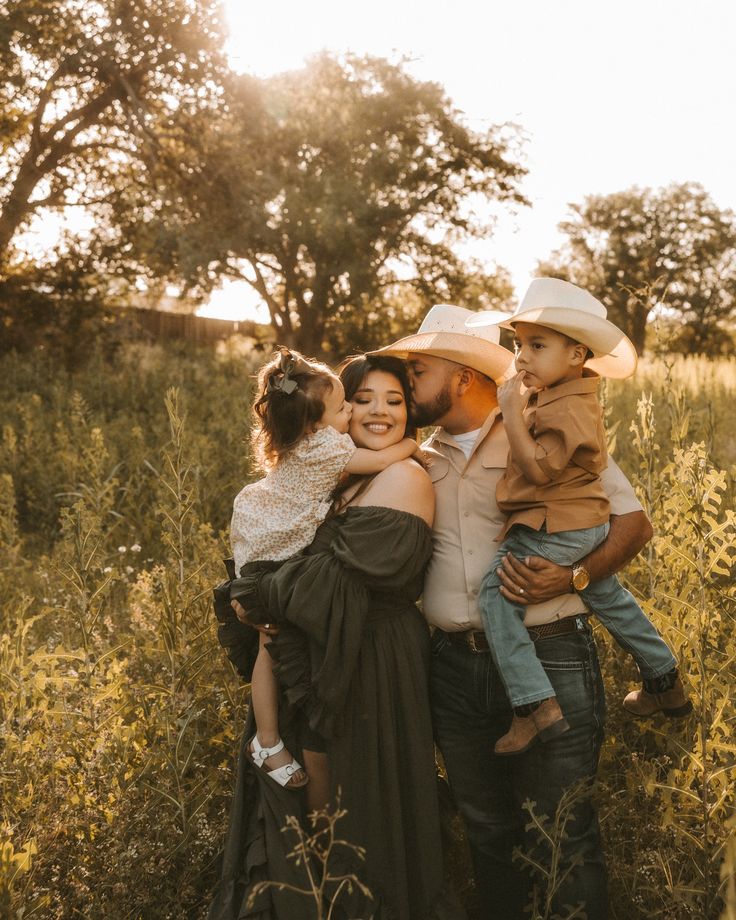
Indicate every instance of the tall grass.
{"type": "Point", "coordinates": [119, 718]}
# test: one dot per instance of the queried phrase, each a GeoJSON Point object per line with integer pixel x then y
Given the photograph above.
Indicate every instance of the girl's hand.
{"type": "Point", "coordinates": [511, 400]}
{"type": "Point", "coordinates": [409, 446]}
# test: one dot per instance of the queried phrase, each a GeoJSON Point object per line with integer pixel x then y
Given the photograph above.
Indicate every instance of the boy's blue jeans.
{"type": "Point", "coordinates": [523, 676]}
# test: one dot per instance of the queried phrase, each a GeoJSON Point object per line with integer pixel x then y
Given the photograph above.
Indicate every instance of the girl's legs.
{"type": "Point", "coordinates": [264, 700]}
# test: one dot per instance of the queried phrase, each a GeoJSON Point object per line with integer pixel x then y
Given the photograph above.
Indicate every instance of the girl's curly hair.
{"type": "Point", "coordinates": [288, 404]}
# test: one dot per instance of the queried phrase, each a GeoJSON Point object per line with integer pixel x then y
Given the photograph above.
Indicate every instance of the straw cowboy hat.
{"type": "Point", "coordinates": [569, 309]}
{"type": "Point", "coordinates": [446, 333]}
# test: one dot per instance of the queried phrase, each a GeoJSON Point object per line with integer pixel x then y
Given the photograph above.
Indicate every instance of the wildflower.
{"type": "Point", "coordinates": [107, 569]}
{"type": "Point", "coordinates": [122, 549]}
{"type": "Point", "coordinates": [135, 548]}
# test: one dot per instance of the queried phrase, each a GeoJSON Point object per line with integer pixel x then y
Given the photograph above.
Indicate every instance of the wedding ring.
{"type": "Point", "coordinates": [521, 590]}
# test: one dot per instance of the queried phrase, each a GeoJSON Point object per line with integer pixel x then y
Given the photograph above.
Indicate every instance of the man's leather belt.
{"type": "Point", "coordinates": [476, 641]}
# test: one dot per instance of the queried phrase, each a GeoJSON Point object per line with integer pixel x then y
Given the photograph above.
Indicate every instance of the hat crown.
{"type": "Point", "coordinates": [557, 294]}
{"type": "Point", "coordinates": [446, 333]}
{"type": "Point", "coordinates": [448, 318]}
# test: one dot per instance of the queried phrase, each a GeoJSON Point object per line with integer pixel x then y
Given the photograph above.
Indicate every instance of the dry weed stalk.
{"type": "Point", "coordinates": [314, 851]}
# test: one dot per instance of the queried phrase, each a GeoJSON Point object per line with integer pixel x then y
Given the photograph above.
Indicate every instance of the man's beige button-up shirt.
{"type": "Point", "coordinates": [468, 522]}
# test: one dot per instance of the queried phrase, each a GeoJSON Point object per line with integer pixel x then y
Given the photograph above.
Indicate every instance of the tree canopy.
{"type": "Point", "coordinates": [641, 248]}
{"type": "Point", "coordinates": [329, 189]}
{"type": "Point", "coordinates": [86, 88]}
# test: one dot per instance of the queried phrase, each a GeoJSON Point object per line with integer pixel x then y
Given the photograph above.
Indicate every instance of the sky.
{"type": "Point", "coordinates": [608, 94]}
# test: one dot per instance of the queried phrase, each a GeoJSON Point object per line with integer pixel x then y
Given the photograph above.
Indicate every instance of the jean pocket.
{"type": "Point", "coordinates": [562, 653]}
{"type": "Point", "coordinates": [571, 664]}
{"type": "Point", "coordinates": [439, 641]}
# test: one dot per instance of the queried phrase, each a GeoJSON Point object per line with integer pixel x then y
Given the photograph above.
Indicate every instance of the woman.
{"type": "Point", "coordinates": [354, 688]}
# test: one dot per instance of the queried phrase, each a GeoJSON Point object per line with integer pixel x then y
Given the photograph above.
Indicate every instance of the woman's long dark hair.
{"type": "Point", "coordinates": [353, 371]}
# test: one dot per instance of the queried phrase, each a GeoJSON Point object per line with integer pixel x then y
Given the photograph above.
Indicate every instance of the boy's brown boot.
{"type": "Point", "coordinates": [544, 723]}
{"type": "Point", "coordinates": [549, 719]}
{"type": "Point", "coordinates": [519, 738]}
{"type": "Point", "coordinates": [672, 703]}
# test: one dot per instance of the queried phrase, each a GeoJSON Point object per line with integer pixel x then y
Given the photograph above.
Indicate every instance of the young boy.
{"type": "Point", "coordinates": [557, 508]}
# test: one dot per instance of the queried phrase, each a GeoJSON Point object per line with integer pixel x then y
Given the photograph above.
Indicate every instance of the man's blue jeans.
{"type": "Point", "coordinates": [471, 712]}
{"type": "Point", "coordinates": [503, 620]}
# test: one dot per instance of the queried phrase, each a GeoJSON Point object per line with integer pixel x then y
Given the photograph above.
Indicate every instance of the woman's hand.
{"type": "Point", "coordinates": [242, 614]}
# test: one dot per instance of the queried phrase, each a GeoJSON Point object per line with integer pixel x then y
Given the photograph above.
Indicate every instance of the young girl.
{"type": "Point", "coordinates": [301, 443]}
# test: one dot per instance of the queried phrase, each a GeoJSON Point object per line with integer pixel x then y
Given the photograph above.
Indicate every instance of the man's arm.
{"type": "Point", "coordinates": [541, 580]}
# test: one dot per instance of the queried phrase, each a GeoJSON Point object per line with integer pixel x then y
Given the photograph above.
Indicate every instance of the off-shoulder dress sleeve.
{"type": "Point", "coordinates": [328, 591]}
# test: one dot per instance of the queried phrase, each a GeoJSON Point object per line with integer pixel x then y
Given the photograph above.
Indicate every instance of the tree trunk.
{"type": "Point", "coordinates": [638, 328]}
{"type": "Point", "coordinates": [17, 208]}
{"type": "Point", "coordinates": [312, 320]}
{"type": "Point", "coordinates": [35, 166]}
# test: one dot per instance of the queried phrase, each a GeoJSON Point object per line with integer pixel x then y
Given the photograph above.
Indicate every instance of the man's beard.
{"type": "Point", "coordinates": [427, 413]}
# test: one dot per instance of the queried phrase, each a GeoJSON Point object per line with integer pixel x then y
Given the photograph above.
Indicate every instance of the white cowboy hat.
{"type": "Point", "coordinates": [569, 309]}
{"type": "Point", "coordinates": [446, 333]}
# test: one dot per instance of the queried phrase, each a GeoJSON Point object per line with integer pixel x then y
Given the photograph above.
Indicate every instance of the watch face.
{"type": "Point", "coordinates": [580, 579]}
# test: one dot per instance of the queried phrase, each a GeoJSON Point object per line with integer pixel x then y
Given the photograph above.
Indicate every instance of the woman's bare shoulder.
{"type": "Point", "coordinates": [404, 486]}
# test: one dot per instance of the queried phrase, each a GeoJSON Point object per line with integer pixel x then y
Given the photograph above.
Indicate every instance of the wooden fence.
{"type": "Point", "coordinates": [162, 325]}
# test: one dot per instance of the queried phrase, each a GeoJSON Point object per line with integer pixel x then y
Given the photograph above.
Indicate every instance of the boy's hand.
{"type": "Point", "coordinates": [511, 400]}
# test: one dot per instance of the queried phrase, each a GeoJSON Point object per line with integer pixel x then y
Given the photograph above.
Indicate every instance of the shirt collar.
{"type": "Point", "coordinates": [582, 385]}
{"type": "Point", "coordinates": [440, 436]}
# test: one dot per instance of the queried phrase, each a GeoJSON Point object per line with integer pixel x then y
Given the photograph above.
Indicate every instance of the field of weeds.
{"type": "Point", "coordinates": [120, 718]}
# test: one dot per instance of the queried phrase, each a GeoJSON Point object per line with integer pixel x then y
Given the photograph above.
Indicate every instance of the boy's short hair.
{"type": "Point", "coordinates": [589, 354]}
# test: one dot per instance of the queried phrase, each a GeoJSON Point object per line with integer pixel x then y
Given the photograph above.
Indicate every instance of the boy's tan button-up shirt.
{"type": "Point", "coordinates": [566, 423]}
{"type": "Point", "coordinates": [468, 522]}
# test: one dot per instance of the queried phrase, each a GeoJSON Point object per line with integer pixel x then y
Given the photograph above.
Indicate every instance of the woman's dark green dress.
{"type": "Point", "coordinates": [355, 670]}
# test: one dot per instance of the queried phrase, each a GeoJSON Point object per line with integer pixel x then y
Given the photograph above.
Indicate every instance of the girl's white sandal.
{"type": "Point", "coordinates": [283, 775]}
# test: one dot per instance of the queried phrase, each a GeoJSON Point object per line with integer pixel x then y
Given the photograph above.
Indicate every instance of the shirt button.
{"type": "Point", "coordinates": [470, 552]}
{"type": "Point", "coordinates": [466, 514]}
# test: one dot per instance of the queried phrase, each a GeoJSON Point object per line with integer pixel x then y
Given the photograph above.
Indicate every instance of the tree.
{"type": "Point", "coordinates": [327, 187]}
{"type": "Point", "coordinates": [86, 88]}
{"type": "Point", "coordinates": [638, 249]}
{"type": "Point", "coordinates": [58, 306]}
{"type": "Point", "coordinates": [402, 307]}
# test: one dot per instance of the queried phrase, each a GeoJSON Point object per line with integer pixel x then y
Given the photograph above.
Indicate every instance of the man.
{"type": "Point", "coordinates": [454, 370]}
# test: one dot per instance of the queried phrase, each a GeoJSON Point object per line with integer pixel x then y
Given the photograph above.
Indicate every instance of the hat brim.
{"type": "Point", "coordinates": [469, 350]}
{"type": "Point", "coordinates": [614, 354]}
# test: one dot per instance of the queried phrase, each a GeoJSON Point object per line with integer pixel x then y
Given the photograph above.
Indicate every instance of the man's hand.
{"type": "Point", "coordinates": [242, 614]}
{"type": "Point", "coordinates": [532, 580]}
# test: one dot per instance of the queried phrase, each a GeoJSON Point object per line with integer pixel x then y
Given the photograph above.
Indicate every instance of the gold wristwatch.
{"type": "Point", "coordinates": [580, 577]}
